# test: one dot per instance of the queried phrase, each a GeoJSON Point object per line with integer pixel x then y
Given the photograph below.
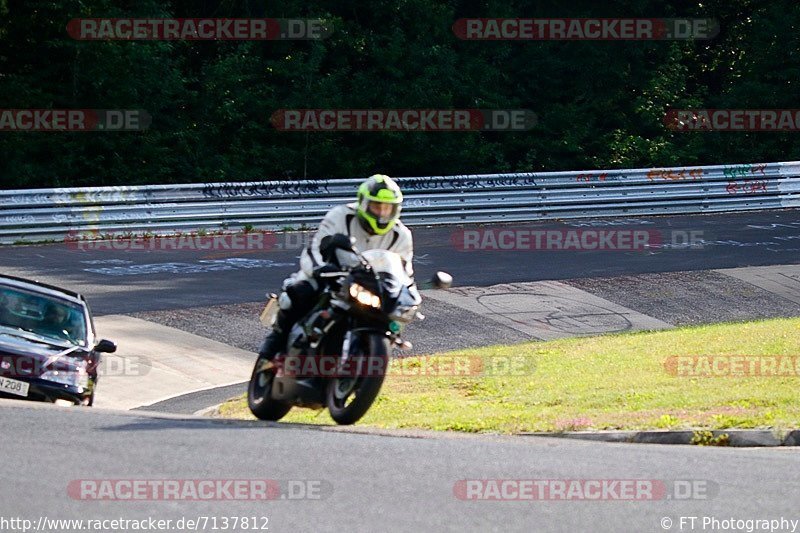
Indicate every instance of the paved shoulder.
{"type": "Point", "coordinates": [782, 280]}
{"type": "Point", "coordinates": [155, 362]}
{"type": "Point", "coordinates": [547, 310]}
{"type": "Point", "coordinates": [704, 297]}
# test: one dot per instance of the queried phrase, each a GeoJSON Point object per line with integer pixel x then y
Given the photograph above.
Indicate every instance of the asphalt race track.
{"type": "Point", "coordinates": [367, 482]}
{"type": "Point", "coordinates": [218, 293]}
{"type": "Point", "coordinates": [129, 281]}
{"type": "Point", "coordinates": [398, 481]}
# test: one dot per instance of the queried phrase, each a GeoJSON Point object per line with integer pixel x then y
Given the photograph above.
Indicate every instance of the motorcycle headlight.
{"type": "Point", "coordinates": [74, 379]}
{"type": "Point", "coordinates": [364, 297]}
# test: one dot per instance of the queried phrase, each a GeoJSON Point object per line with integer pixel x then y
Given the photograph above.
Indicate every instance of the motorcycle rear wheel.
{"type": "Point", "coordinates": [259, 392]}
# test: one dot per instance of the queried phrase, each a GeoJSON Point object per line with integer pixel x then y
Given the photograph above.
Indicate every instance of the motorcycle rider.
{"type": "Point", "coordinates": [373, 221]}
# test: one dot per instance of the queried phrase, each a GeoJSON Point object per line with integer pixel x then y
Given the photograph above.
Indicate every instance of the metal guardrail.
{"type": "Point", "coordinates": [56, 214]}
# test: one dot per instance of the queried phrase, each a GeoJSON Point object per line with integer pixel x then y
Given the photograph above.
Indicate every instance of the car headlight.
{"type": "Point", "coordinates": [364, 297]}
{"type": "Point", "coordinates": [74, 379]}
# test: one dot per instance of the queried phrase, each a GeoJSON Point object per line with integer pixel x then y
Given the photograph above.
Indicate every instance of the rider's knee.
{"type": "Point", "coordinates": [297, 295]}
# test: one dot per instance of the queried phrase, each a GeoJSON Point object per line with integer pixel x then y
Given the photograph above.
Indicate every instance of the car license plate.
{"type": "Point", "coordinates": [270, 312]}
{"type": "Point", "coordinates": [12, 386]}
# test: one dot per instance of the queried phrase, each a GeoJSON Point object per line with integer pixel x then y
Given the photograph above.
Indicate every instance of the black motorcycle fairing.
{"type": "Point", "coordinates": [344, 322]}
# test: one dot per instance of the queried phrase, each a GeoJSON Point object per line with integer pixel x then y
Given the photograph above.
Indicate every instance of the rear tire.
{"type": "Point", "coordinates": [359, 391]}
{"type": "Point", "coordinates": [259, 395]}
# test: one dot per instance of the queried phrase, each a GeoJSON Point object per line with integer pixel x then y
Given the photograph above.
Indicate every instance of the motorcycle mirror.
{"type": "Point", "coordinates": [442, 280]}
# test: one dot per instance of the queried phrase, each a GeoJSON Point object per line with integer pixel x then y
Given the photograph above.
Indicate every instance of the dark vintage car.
{"type": "Point", "coordinates": [48, 348]}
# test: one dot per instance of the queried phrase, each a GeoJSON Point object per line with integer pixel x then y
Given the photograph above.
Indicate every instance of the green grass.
{"type": "Point", "coordinates": [604, 382]}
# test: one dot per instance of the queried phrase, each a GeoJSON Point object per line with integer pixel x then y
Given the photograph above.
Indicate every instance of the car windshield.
{"type": "Point", "coordinates": [49, 318]}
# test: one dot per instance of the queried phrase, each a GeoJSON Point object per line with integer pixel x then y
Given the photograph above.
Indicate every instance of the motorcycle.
{"type": "Point", "coordinates": [337, 356]}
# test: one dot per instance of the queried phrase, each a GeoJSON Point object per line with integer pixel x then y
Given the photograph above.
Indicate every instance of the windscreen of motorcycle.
{"type": "Point", "coordinates": [390, 265]}
{"type": "Point", "coordinates": [347, 259]}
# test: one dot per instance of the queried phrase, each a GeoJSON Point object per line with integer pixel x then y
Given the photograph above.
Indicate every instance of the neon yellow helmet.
{"type": "Point", "coordinates": [375, 193]}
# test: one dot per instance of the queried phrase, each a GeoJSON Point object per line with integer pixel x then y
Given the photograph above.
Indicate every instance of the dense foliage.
{"type": "Point", "coordinates": [600, 104]}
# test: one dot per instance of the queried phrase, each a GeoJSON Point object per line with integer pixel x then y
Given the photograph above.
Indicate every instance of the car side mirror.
{"type": "Point", "coordinates": [105, 346]}
{"type": "Point", "coordinates": [442, 280]}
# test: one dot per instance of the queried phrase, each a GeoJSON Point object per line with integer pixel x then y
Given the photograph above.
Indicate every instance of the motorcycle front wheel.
{"type": "Point", "coordinates": [349, 398]}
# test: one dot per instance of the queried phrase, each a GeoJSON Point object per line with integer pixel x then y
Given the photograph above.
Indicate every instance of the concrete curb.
{"type": "Point", "coordinates": [212, 411]}
{"type": "Point", "coordinates": [735, 437]}
{"type": "Point", "coordinates": [739, 438]}
{"type": "Point", "coordinates": [209, 412]}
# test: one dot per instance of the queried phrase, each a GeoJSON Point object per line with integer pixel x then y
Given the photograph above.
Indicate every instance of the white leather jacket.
{"type": "Point", "coordinates": [343, 219]}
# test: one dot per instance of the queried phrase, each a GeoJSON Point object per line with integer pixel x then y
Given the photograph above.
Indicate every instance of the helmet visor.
{"type": "Point", "coordinates": [384, 213]}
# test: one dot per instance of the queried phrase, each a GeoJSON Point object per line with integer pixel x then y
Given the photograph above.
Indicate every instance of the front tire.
{"type": "Point", "coordinates": [349, 399]}
{"type": "Point", "coordinates": [259, 394]}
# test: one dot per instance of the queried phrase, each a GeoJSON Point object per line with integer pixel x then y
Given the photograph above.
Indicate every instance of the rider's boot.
{"type": "Point", "coordinates": [276, 340]}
